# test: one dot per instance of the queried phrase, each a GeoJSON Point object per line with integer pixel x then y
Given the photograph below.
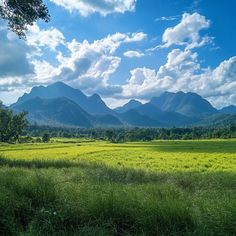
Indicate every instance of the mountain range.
{"type": "Point", "coordinates": [91, 104]}
{"type": "Point", "coordinates": [61, 105]}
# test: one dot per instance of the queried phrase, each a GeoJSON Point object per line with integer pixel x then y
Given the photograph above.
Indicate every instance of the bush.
{"type": "Point", "coordinates": [46, 138]}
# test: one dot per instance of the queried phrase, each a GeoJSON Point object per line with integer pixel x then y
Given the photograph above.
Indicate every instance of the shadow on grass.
{"type": "Point", "coordinates": [207, 146]}
{"type": "Point", "coordinates": [33, 147]}
{"type": "Point", "coordinates": [188, 180]}
{"type": "Point", "coordinates": [39, 164]}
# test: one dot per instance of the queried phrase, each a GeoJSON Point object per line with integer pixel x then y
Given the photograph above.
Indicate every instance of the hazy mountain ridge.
{"type": "Point", "coordinates": [91, 104]}
{"type": "Point", "coordinates": [132, 104]}
{"type": "Point", "coordinates": [58, 111]}
{"type": "Point", "coordinates": [169, 118]}
{"type": "Point", "coordinates": [60, 104]}
{"type": "Point", "coordinates": [228, 110]}
{"type": "Point", "coordinates": [188, 104]}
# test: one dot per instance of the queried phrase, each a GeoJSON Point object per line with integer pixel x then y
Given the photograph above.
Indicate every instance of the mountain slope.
{"type": "Point", "coordinates": [58, 111]}
{"type": "Point", "coordinates": [188, 104]}
{"type": "Point", "coordinates": [134, 118]}
{"type": "Point", "coordinates": [164, 117]}
{"type": "Point", "coordinates": [228, 110]}
{"type": "Point", "coordinates": [218, 120]}
{"type": "Point", "coordinates": [92, 105]}
{"type": "Point", "coordinates": [96, 106]}
{"type": "Point", "coordinates": [132, 104]}
{"type": "Point", "coordinates": [107, 120]}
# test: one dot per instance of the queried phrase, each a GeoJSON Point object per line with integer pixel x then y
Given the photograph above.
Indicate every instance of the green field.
{"type": "Point", "coordinates": [82, 187]}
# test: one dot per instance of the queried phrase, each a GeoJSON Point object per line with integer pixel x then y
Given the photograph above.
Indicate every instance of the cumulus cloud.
{"type": "Point", "coordinates": [132, 54]}
{"type": "Point", "coordinates": [84, 65]}
{"type": "Point", "coordinates": [103, 7]}
{"type": "Point", "coordinates": [90, 65]}
{"type": "Point", "coordinates": [50, 38]}
{"type": "Point", "coordinates": [13, 55]}
{"type": "Point", "coordinates": [19, 68]}
{"type": "Point", "coordinates": [183, 72]}
{"type": "Point", "coordinates": [187, 32]}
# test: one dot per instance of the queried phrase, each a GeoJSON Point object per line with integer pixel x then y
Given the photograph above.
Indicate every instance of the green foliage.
{"type": "Point", "coordinates": [22, 13]}
{"type": "Point", "coordinates": [120, 135]}
{"type": "Point", "coordinates": [46, 138]}
{"type": "Point", "coordinates": [11, 125]}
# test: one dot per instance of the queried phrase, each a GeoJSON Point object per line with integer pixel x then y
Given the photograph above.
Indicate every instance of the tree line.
{"type": "Point", "coordinates": [117, 135]}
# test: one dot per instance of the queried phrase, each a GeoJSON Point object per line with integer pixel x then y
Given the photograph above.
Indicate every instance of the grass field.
{"type": "Point", "coordinates": [81, 187]}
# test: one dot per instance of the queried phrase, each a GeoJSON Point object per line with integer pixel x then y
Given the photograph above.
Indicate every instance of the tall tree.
{"type": "Point", "coordinates": [11, 125]}
{"type": "Point", "coordinates": [22, 13]}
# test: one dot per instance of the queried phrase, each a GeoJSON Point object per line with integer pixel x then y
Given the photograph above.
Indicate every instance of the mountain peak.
{"type": "Point", "coordinates": [92, 105]}
{"type": "Point", "coordinates": [189, 104]}
{"type": "Point", "coordinates": [132, 104]}
{"type": "Point", "coordinates": [134, 101]}
{"type": "Point", "coordinates": [58, 84]}
{"type": "Point", "coordinates": [95, 96]}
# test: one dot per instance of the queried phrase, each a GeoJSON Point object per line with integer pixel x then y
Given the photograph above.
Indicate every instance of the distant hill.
{"type": "Point", "coordinates": [218, 120]}
{"type": "Point", "coordinates": [107, 120]}
{"type": "Point", "coordinates": [134, 118]}
{"type": "Point", "coordinates": [188, 104]}
{"type": "Point", "coordinates": [132, 104]}
{"type": "Point", "coordinates": [57, 111]}
{"type": "Point", "coordinates": [228, 110]}
{"type": "Point", "coordinates": [168, 118]}
{"type": "Point", "coordinates": [92, 104]}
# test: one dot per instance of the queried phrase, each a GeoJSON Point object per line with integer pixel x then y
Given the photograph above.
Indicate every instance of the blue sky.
{"type": "Point", "coordinates": [123, 49]}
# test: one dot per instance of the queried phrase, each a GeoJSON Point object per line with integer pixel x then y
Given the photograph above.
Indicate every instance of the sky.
{"type": "Point", "coordinates": [126, 49]}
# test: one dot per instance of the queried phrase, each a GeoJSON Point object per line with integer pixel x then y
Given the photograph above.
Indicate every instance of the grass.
{"type": "Point", "coordinates": [77, 187]}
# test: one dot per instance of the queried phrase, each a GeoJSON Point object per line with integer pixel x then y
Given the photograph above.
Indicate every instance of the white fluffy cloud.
{"type": "Point", "coordinates": [103, 7]}
{"type": "Point", "coordinates": [187, 32]}
{"type": "Point", "coordinates": [90, 65]}
{"type": "Point", "coordinates": [183, 72]}
{"type": "Point", "coordinates": [50, 38]}
{"type": "Point", "coordinates": [19, 69]}
{"type": "Point", "coordinates": [132, 54]}
{"type": "Point", "coordinates": [84, 65]}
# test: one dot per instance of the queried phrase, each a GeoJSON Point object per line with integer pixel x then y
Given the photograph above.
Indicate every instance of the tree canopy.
{"type": "Point", "coordinates": [22, 13]}
{"type": "Point", "coordinates": [11, 125]}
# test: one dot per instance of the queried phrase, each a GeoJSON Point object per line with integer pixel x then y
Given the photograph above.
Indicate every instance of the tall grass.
{"type": "Point", "coordinates": [83, 197]}
{"type": "Point", "coordinates": [94, 200]}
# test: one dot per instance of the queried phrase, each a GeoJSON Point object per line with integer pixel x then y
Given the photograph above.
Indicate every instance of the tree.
{"type": "Point", "coordinates": [22, 13]}
{"type": "Point", "coordinates": [46, 138]}
{"type": "Point", "coordinates": [17, 125]}
{"type": "Point", "coordinates": [11, 125]}
{"type": "Point", "coordinates": [232, 128]}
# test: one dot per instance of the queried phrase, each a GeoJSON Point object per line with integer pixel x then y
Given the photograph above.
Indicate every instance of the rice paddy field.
{"type": "Point", "coordinates": [86, 187]}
